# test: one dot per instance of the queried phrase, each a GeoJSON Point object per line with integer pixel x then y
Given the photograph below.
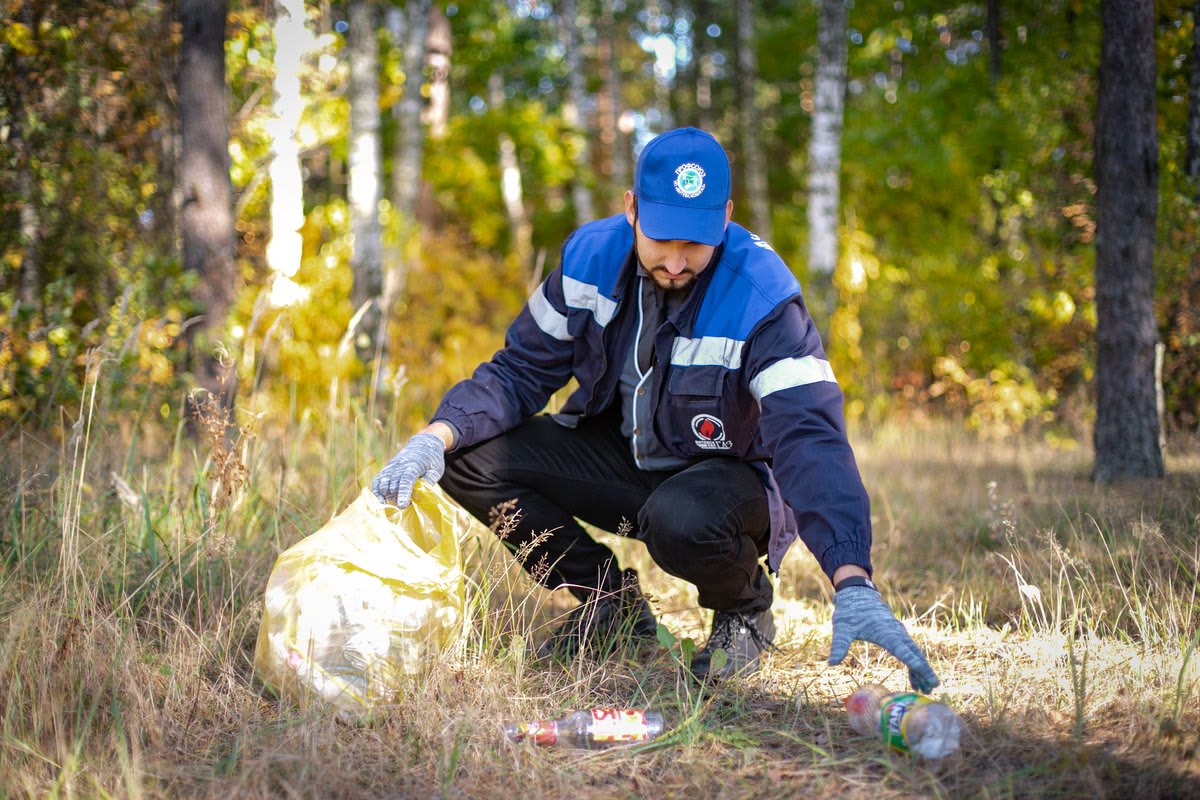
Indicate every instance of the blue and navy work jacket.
{"type": "Point", "coordinates": [741, 374]}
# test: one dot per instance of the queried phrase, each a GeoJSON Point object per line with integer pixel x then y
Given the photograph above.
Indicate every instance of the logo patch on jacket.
{"type": "Point", "coordinates": [710, 432]}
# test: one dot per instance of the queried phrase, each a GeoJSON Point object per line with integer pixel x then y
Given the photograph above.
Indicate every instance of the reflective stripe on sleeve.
{"type": "Point", "coordinates": [584, 295]}
{"type": "Point", "coordinates": [547, 318]}
{"type": "Point", "coordinates": [789, 373]}
{"type": "Point", "coordinates": [714, 351]}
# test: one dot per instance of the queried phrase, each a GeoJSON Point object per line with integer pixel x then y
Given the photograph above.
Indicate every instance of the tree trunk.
{"type": "Point", "coordinates": [703, 55]}
{"type": "Point", "coordinates": [754, 170]}
{"type": "Point", "coordinates": [993, 37]}
{"type": "Point", "coordinates": [1126, 158]}
{"type": "Point", "coordinates": [825, 157]}
{"type": "Point", "coordinates": [437, 59]}
{"type": "Point", "coordinates": [581, 196]}
{"type": "Point", "coordinates": [410, 140]}
{"type": "Point", "coordinates": [30, 219]}
{"type": "Point", "coordinates": [206, 216]}
{"type": "Point", "coordinates": [519, 227]}
{"type": "Point", "coordinates": [30, 226]}
{"type": "Point", "coordinates": [366, 160]}
{"type": "Point", "coordinates": [621, 154]}
{"type": "Point", "coordinates": [284, 248]}
{"type": "Point", "coordinates": [1193, 125]}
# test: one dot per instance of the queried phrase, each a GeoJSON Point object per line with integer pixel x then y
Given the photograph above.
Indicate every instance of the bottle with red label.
{"type": "Point", "coordinates": [907, 722]}
{"type": "Point", "coordinates": [591, 729]}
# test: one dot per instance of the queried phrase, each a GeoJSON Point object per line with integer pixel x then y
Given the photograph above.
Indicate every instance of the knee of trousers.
{"type": "Point", "coordinates": [680, 540]}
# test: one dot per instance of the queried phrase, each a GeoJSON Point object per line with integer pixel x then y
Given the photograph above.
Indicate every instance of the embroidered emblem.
{"type": "Point", "coordinates": [689, 180]}
{"type": "Point", "coordinates": [710, 432]}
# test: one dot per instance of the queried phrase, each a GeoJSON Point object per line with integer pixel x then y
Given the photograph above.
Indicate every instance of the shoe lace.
{"type": "Point", "coordinates": [725, 624]}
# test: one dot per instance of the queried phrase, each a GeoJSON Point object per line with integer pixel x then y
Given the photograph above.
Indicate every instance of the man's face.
{"type": "Point", "coordinates": [673, 264]}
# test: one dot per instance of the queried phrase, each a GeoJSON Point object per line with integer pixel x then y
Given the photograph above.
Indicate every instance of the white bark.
{"type": "Point", "coordinates": [581, 196]}
{"type": "Point", "coordinates": [621, 177]}
{"type": "Point", "coordinates": [437, 58]}
{"type": "Point", "coordinates": [292, 41]}
{"type": "Point", "coordinates": [825, 146]}
{"type": "Point", "coordinates": [366, 162]}
{"type": "Point", "coordinates": [520, 229]}
{"type": "Point", "coordinates": [410, 141]}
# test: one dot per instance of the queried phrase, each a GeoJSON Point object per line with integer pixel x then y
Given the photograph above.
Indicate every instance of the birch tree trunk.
{"type": "Point", "coordinates": [825, 155]}
{"type": "Point", "coordinates": [755, 170]}
{"type": "Point", "coordinates": [520, 229]}
{"type": "Point", "coordinates": [410, 140]}
{"type": "Point", "coordinates": [438, 48]}
{"type": "Point", "coordinates": [366, 162]}
{"type": "Point", "coordinates": [284, 248]}
{"type": "Point", "coordinates": [206, 216]}
{"type": "Point", "coordinates": [1126, 162]}
{"type": "Point", "coordinates": [581, 196]}
{"type": "Point", "coordinates": [621, 149]}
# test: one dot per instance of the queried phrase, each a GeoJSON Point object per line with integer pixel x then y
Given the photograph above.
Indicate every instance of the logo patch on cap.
{"type": "Point", "coordinates": [689, 180]}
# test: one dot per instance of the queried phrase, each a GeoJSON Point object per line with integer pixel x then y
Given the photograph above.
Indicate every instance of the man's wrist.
{"type": "Point", "coordinates": [442, 430]}
{"type": "Point", "coordinates": [855, 580]}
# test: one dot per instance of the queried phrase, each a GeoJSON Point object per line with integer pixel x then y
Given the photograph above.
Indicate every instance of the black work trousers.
{"type": "Point", "coordinates": [707, 524]}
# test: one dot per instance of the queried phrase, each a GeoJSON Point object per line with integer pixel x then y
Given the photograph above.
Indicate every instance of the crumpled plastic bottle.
{"type": "Point", "coordinates": [907, 722]}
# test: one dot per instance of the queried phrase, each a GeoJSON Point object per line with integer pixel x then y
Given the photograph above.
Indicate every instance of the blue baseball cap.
{"type": "Point", "coordinates": [682, 185]}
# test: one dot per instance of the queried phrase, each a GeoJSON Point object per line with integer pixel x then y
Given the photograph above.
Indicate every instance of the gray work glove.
{"type": "Point", "coordinates": [423, 457]}
{"type": "Point", "coordinates": [860, 614]}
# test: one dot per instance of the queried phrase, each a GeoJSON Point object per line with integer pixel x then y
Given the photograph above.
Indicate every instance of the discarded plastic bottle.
{"type": "Point", "coordinates": [591, 729]}
{"type": "Point", "coordinates": [907, 722]}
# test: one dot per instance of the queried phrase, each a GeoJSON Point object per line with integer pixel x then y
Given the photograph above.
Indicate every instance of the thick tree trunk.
{"type": "Point", "coordinates": [1193, 128]}
{"type": "Point", "coordinates": [206, 216]}
{"type": "Point", "coordinates": [285, 246]}
{"type": "Point", "coordinates": [755, 169]}
{"type": "Point", "coordinates": [825, 156]}
{"type": "Point", "coordinates": [573, 116]}
{"type": "Point", "coordinates": [366, 160]}
{"type": "Point", "coordinates": [1127, 424]}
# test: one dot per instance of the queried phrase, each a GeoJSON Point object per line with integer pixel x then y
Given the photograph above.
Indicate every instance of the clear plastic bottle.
{"type": "Point", "coordinates": [907, 722]}
{"type": "Point", "coordinates": [591, 729]}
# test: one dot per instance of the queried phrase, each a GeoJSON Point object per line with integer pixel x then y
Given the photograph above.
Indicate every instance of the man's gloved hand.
{"type": "Point", "coordinates": [423, 457]}
{"type": "Point", "coordinates": [860, 614]}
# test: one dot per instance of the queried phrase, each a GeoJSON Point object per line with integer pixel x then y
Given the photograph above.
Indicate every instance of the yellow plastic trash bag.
{"type": "Point", "coordinates": [356, 610]}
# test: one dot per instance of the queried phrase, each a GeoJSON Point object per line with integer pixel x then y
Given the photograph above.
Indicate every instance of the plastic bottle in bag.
{"type": "Point", "coordinates": [907, 722]}
{"type": "Point", "coordinates": [591, 729]}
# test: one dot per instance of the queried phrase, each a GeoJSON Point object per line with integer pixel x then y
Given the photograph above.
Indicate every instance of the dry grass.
{"type": "Point", "coordinates": [1061, 616]}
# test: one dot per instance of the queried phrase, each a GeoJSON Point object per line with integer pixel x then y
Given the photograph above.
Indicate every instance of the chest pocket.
{"type": "Point", "coordinates": [695, 415]}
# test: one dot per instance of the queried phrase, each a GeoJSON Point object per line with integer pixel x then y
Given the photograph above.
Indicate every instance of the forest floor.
{"type": "Point", "coordinates": [1061, 616]}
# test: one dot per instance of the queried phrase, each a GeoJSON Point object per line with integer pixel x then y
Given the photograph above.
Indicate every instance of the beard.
{"type": "Point", "coordinates": [679, 284]}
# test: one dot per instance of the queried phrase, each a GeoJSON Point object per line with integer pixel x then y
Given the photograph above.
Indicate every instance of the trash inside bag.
{"type": "Point", "coordinates": [353, 612]}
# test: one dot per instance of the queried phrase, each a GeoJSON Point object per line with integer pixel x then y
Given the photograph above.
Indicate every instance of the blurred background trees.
{"type": "Point", "coordinates": [401, 173]}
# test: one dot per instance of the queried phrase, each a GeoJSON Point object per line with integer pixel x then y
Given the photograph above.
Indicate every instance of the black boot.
{"type": "Point", "coordinates": [606, 621]}
{"type": "Point", "coordinates": [742, 636]}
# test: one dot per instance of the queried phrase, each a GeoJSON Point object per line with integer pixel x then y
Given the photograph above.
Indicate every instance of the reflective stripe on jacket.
{"type": "Point", "coordinates": [742, 374]}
